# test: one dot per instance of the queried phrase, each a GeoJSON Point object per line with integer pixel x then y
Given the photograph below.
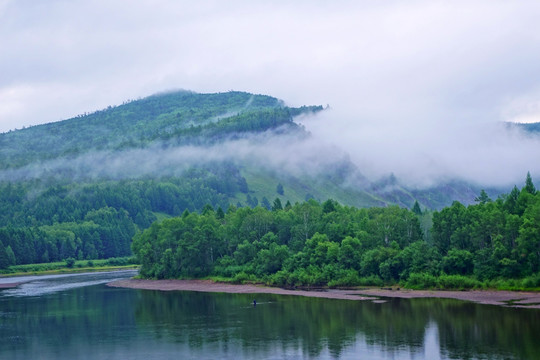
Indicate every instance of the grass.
{"type": "Point", "coordinates": [422, 281]}
{"type": "Point", "coordinates": [79, 266]}
{"type": "Point", "coordinates": [162, 216]}
{"type": "Point", "coordinates": [263, 183]}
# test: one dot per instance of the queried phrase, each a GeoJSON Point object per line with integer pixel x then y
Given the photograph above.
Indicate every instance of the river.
{"type": "Point", "coordinates": [79, 317]}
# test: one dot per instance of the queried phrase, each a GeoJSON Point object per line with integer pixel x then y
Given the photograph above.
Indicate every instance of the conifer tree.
{"type": "Point", "coordinates": [277, 205]}
{"type": "Point", "coordinates": [529, 186]}
{"type": "Point", "coordinates": [265, 203]}
{"type": "Point", "coordinates": [416, 208]}
{"type": "Point", "coordinates": [288, 205]}
{"type": "Point", "coordinates": [482, 198]}
{"type": "Point", "coordinates": [219, 213]}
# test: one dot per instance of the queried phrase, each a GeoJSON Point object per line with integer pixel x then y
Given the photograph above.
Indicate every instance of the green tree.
{"type": "Point", "coordinates": [419, 257]}
{"type": "Point", "coordinates": [288, 206]}
{"type": "Point", "coordinates": [416, 208]}
{"type": "Point", "coordinates": [4, 260]}
{"type": "Point", "coordinates": [511, 201]}
{"type": "Point", "coordinates": [70, 262]}
{"type": "Point", "coordinates": [277, 205]}
{"type": "Point", "coordinates": [329, 206]}
{"type": "Point", "coordinates": [482, 198]}
{"type": "Point", "coordinates": [219, 213]}
{"type": "Point", "coordinates": [252, 201]}
{"type": "Point", "coordinates": [528, 242]}
{"type": "Point", "coordinates": [265, 203]}
{"type": "Point", "coordinates": [11, 256]}
{"type": "Point", "coordinates": [279, 189]}
{"type": "Point", "coordinates": [458, 262]}
{"type": "Point", "coordinates": [529, 186]}
{"type": "Point", "coordinates": [207, 209]}
{"type": "Point", "coordinates": [269, 261]}
{"type": "Point", "coordinates": [350, 253]}
{"type": "Point", "coordinates": [448, 225]}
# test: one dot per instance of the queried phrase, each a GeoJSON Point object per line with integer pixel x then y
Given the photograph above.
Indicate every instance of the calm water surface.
{"type": "Point", "coordinates": [78, 317]}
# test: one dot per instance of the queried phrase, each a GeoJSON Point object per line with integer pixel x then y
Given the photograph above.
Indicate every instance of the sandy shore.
{"type": "Point", "coordinates": [210, 286]}
{"type": "Point", "coordinates": [10, 285]}
{"type": "Point", "coordinates": [502, 298]}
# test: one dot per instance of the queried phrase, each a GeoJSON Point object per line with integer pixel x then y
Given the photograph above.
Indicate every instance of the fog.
{"type": "Point", "coordinates": [425, 154]}
{"type": "Point", "coordinates": [418, 89]}
{"type": "Point", "coordinates": [290, 153]}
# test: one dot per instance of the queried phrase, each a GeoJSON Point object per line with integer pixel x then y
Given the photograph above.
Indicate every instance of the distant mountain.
{"type": "Point", "coordinates": [533, 128]}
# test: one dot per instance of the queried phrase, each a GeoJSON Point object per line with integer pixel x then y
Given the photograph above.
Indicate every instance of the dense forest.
{"type": "Point", "coordinates": [98, 220]}
{"type": "Point", "coordinates": [314, 244]}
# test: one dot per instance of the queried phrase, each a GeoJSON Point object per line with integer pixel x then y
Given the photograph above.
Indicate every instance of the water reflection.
{"type": "Point", "coordinates": [97, 322]}
{"type": "Point", "coordinates": [421, 328]}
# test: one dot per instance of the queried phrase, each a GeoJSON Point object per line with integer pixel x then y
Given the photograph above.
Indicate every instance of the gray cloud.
{"type": "Point", "coordinates": [417, 88]}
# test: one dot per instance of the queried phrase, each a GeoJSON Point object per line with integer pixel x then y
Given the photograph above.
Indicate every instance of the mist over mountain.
{"type": "Point", "coordinates": [258, 137]}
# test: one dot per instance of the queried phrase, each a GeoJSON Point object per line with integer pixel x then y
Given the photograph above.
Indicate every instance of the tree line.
{"type": "Point", "coordinates": [314, 244]}
{"type": "Point", "coordinates": [96, 220]}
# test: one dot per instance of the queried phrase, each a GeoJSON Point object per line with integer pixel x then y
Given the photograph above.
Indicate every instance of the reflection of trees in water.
{"type": "Point", "coordinates": [226, 323]}
{"type": "Point", "coordinates": [78, 319]}
{"type": "Point", "coordinates": [466, 330]}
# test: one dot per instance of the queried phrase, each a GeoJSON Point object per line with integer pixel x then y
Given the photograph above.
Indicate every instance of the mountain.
{"type": "Point", "coordinates": [83, 187]}
{"type": "Point", "coordinates": [175, 135]}
{"type": "Point", "coordinates": [171, 118]}
{"type": "Point", "coordinates": [531, 128]}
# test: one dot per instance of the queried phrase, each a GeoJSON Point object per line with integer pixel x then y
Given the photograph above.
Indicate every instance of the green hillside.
{"type": "Point", "coordinates": [83, 187]}
{"type": "Point", "coordinates": [172, 118]}
{"type": "Point", "coordinates": [77, 188]}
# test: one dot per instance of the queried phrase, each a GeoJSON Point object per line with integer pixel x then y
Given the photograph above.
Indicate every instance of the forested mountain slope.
{"type": "Point", "coordinates": [84, 186]}
{"type": "Point", "coordinates": [178, 117]}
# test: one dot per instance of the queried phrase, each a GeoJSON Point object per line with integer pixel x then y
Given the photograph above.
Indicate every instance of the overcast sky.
{"type": "Point", "coordinates": [417, 88]}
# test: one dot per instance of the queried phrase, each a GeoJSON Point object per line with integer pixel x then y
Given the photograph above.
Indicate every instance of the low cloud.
{"type": "Point", "coordinates": [425, 154]}
{"type": "Point", "coordinates": [291, 154]}
{"type": "Point", "coordinates": [418, 88]}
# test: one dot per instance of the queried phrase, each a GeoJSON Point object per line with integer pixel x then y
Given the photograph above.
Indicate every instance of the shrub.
{"type": "Point", "coordinates": [372, 280]}
{"type": "Point", "coordinates": [457, 282]}
{"type": "Point", "coordinates": [280, 278]}
{"type": "Point", "coordinates": [243, 277]}
{"type": "Point", "coordinates": [345, 278]}
{"type": "Point", "coordinates": [70, 262]}
{"type": "Point", "coordinates": [532, 281]}
{"type": "Point", "coordinates": [419, 281]}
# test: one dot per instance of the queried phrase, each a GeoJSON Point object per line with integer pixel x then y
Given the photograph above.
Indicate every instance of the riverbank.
{"type": "Point", "coordinates": [501, 298]}
{"type": "Point", "coordinates": [8, 281]}
{"type": "Point", "coordinates": [66, 270]}
{"type": "Point", "coordinates": [70, 267]}
{"type": "Point", "coordinates": [10, 285]}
